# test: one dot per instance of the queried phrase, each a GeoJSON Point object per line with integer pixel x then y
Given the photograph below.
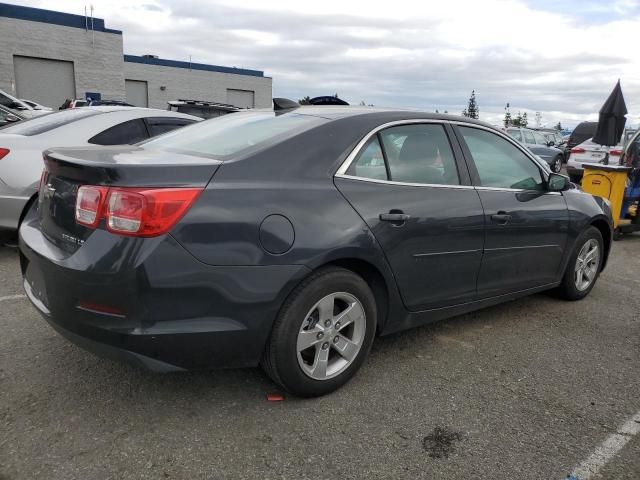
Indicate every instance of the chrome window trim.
{"type": "Point", "coordinates": [520, 190]}
{"type": "Point", "coordinates": [404, 184]}
{"type": "Point", "coordinates": [341, 172]}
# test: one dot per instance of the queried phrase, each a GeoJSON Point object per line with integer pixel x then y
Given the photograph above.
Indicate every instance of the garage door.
{"type": "Point", "coordinates": [48, 82]}
{"type": "Point", "coordinates": [137, 93]}
{"type": "Point", "coordinates": [240, 98]}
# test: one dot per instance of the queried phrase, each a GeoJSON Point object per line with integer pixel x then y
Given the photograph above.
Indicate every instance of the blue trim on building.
{"type": "Point", "coordinates": [192, 66]}
{"type": "Point", "coordinates": [56, 18]}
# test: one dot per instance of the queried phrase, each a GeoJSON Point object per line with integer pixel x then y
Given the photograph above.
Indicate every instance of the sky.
{"type": "Point", "coordinates": [558, 57]}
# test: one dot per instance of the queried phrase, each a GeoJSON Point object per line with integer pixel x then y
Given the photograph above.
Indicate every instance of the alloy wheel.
{"type": "Point", "coordinates": [331, 336]}
{"type": "Point", "coordinates": [587, 264]}
{"type": "Point", "coordinates": [557, 165]}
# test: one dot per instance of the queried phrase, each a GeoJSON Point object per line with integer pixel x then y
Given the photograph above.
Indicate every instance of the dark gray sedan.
{"type": "Point", "coordinates": [291, 238]}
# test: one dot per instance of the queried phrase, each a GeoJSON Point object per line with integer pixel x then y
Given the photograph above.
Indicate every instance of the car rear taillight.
{"type": "Point", "coordinates": [88, 205]}
{"type": "Point", "coordinates": [43, 179]}
{"type": "Point", "coordinates": [615, 153]}
{"type": "Point", "coordinates": [4, 152]}
{"type": "Point", "coordinates": [138, 212]}
{"type": "Point", "coordinates": [578, 150]}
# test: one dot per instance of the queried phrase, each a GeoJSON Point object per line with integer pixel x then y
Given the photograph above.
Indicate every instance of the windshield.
{"type": "Point", "coordinates": [44, 123]}
{"type": "Point", "coordinates": [234, 133]}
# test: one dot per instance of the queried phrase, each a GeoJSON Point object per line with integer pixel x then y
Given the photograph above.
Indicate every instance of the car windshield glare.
{"type": "Point", "coordinates": [49, 121]}
{"type": "Point", "coordinates": [234, 133]}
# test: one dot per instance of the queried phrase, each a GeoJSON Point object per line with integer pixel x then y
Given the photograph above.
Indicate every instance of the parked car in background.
{"type": "Point", "coordinates": [631, 154]}
{"type": "Point", "coordinates": [582, 132]}
{"type": "Point", "coordinates": [36, 106]}
{"type": "Point", "coordinates": [628, 134]}
{"type": "Point", "coordinates": [78, 102]}
{"type": "Point", "coordinates": [201, 108]}
{"type": "Point", "coordinates": [539, 145]}
{"type": "Point", "coordinates": [555, 139]}
{"type": "Point", "coordinates": [9, 117]}
{"type": "Point", "coordinates": [21, 145]}
{"type": "Point", "coordinates": [251, 239]}
{"type": "Point", "coordinates": [589, 152]}
{"type": "Point", "coordinates": [18, 106]}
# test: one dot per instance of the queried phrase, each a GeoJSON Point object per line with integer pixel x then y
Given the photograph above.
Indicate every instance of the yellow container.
{"type": "Point", "coordinates": [607, 181]}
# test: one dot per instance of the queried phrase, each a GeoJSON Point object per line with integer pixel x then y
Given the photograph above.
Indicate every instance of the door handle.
{"type": "Point", "coordinates": [501, 217]}
{"type": "Point", "coordinates": [395, 216]}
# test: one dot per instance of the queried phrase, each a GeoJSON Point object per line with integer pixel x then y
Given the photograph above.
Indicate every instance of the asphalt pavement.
{"type": "Point", "coordinates": [525, 390]}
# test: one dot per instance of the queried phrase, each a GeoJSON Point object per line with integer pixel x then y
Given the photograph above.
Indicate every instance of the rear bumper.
{"type": "Point", "coordinates": [166, 310]}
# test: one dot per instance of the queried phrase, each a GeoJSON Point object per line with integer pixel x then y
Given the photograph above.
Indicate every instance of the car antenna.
{"type": "Point", "coordinates": [284, 104]}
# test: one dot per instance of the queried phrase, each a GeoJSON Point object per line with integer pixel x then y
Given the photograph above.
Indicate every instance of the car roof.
{"type": "Point", "coordinates": [334, 112]}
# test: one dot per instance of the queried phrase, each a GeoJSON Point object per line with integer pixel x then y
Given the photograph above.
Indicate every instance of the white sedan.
{"type": "Point", "coordinates": [22, 144]}
{"type": "Point", "coordinates": [589, 152]}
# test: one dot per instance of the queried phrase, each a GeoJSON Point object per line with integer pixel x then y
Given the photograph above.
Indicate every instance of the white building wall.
{"type": "Point", "coordinates": [195, 84]}
{"type": "Point", "coordinates": [97, 56]}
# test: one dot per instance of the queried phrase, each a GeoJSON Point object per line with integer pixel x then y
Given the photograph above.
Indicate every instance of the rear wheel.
{"type": "Point", "coordinates": [584, 265]}
{"type": "Point", "coordinates": [323, 333]}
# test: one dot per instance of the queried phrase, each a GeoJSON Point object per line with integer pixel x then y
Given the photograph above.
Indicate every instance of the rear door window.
{"type": "Point", "coordinates": [416, 153]}
{"type": "Point", "coordinates": [126, 133]}
{"type": "Point", "coordinates": [420, 154]}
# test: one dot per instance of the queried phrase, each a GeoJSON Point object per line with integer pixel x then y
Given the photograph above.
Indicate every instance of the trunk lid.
{"type": "Point", "coordinates": [67, 169]}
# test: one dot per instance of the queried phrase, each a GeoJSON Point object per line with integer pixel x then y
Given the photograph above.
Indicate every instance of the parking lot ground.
{"type": "Point", "coordinates": [525, 390]}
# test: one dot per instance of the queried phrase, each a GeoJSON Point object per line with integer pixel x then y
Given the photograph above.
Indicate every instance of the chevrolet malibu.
{"type": "Point", "coordinates": [291, 238]}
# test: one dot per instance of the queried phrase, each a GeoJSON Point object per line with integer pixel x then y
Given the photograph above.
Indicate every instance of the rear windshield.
{"type": "Point", "coordinates": [49, 121]}
{"type": "Point", "coordinates": [234, 133]}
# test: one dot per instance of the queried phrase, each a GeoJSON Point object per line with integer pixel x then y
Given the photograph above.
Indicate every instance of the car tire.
{"type": "Point", "coordinates": [557, 164]}
{"type": "Point", "coordinates": [311, 316]}
{"type": "Point", "coordinates": [581, 273]}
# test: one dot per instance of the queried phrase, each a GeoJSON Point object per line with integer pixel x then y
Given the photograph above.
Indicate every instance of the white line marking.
{"type": "Point", "coordinates": [12, 297]}
{"type": "Point", "coordinates": [607, 450]}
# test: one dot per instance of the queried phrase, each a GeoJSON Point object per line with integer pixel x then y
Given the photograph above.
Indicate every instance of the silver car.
{"type": "Point", "coordinates": [21, 145]}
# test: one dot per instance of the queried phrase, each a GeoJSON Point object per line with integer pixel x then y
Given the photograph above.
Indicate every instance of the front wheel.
{"type": "Point", "coordinates": [323, 333]}
{"type": "Point", "coordinates": [557, 164]}
{"type": "Point", "coordinates": [584, 265]}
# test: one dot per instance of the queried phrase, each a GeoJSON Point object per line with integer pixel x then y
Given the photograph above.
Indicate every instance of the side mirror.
{"type": "Point", "coordinates": [551, 143]}
{"type": "Point", "coordinates": [17, 106]}
{"type": "Point", "coordinates": [558, 183]}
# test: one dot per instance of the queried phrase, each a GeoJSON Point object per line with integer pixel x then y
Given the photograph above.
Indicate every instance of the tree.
{"type": "Point", "coordinates": [472, 110]}
{"type": "Point", "coordinates": [517, 122]}
{"type": "Point", "coordinates": [507, 117]}
{"type": "Point", "coordinates": [305, 100]}
{"type": "Point", "coordinates": [559, 126]}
